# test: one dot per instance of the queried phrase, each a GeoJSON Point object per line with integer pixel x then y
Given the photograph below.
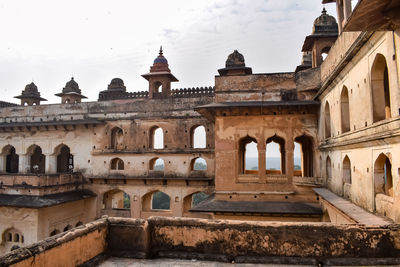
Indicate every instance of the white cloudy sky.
{"type": "Point", "coordinates": [48, 41]}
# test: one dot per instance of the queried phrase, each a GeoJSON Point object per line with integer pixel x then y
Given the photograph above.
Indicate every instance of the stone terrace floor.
{"type": "Point", "coordinates": [123, 262]}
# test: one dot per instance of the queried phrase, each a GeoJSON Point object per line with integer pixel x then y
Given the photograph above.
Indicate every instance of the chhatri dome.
{"type": "Point", "coordinates": [325, 24]}
{"type": "Point", "coordinates": [160, 63]}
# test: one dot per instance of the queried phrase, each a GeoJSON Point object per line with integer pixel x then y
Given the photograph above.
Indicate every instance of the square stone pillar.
{"type": "Point", "coordinates": [51, 164]}
{"type": "Point", "coordinates": [24, 164]}
{"type": "Point", "coordinates": [262, 164]}
{"type": "Point", "coordinates": [289, 152]}
{"type": "Point", "coordinates": [2, 163]}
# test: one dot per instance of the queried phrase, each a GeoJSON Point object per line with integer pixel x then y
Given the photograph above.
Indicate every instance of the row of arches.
{"type": "Point", "coordinates": [66, 228]}
{"type": "Point", "coordinates": [36, 159]}
{"type": "Point", "coordinates": [153, 201]}
{"type": "Point", "coordinates": [380, 90]}
{"type": "Point", "coordinates": [156, 137]}
{"type": "Point", "coordinates": [157, 164]}
{"type": "Point", "coordinates": [275, 156]}
{"type": "Point", "coordinates": [383, 178]}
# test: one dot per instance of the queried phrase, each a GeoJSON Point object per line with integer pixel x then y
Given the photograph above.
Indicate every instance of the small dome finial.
{"type": "Point", "coordinates": [161, 52]}
{"type": "Point", "coordinates": [323, 11]}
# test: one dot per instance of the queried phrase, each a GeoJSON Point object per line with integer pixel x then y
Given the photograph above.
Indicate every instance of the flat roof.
{"type": "Point", "coordinates": [50, 123]}
{"type": "Point", "coordinates": [264, 207]}
{"type": "Point", "coordinates": [26, 201]}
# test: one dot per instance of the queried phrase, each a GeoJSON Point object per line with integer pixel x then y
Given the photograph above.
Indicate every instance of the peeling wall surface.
{"type": "Point", "coordinates": [218, 240]}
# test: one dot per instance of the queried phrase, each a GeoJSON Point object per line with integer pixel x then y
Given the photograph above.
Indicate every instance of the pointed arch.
{"type": "Point", "coordinates": [116, 199]}
{"type": "Point", "coordinates": [65, 160]}
{"type": "Point", "coordinates": [117, 164]}
{"type": "Point", "coordinates": [198, 164]}
{"type": "Point", "coordinates": [37, 159]}
{"type": "Point", "coordinates": [193, 199]}
{"type": "Point", "coordinates": [327, 120]}
{"type": "Point", "coordinates": [275, 148]}
{"type": "Point", "coordinates": [345, 110]}
{"type": "Point", "coordinates": [248, 155]}
{"type": "Point", "coordinates": [306, 154]}
{"type": "Point", "coordinates": [383, 179]}
{"type": "Point", "coordinates": [55, 232]}
{"type": "Point", "coordinates": [156, 164]}
{"type": "Point", "coordinates": [328, 168]}
{"type": "Point", "coordinates": [116, 139]}
{"type": "Point", "coordinates": [160, 201]}
{"type": "Point", "coordinates": [11, 159]}
{"type": "Point", "coordinates": [346, 171]}
{"type": "Point", "coordinates": [380, 89]}
{"type": "Point", "coordinates": [198, 136]}
{"type": "Point", "coordinates": [156, 138]}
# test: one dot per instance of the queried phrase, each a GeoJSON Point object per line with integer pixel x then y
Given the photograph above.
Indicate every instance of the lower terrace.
{"type": "Point", "coordinates": [108, 240]}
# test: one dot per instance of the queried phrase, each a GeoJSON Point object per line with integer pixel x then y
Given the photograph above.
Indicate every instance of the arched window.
{"type": "Point", "coordinates": [68, 227]}
{"type": "Point", "coordinates": [328, 168]}
{"type": "Point", "coordinates": [383, 179]}
{"type": "Point", "coordinates": [37, 159]}
{"type": "Point", "coordinates": [55, 232]}
{"type": "Point", "coordinates": [117, 136]}
{"type": "Point", "coordinates": [198, 197]}
{"type": "Point", "coordinates": [198, 164]}
{"type": "Point", "coordinates": [13, 235]}
{"type": "Point", "coordinates": [156, 138]}
{"type": "Point", "coordinates": [380, 89]}
{"type": "Point", "coordinates": [160, 201]}
{"type": "Point", "coordinates": [346, 170]}
{"type": "Point", "coordinates": [345, 110]}
{"type": "Point", "coordinates": [275, 155]}
{"type": "Point", "coordinates": [327, 120]}
{"type": "Point", "coordinates": [116, 199]}
{"type": "Point", "coordinates": [198, 137]}
{"type": "Point", "coordinates": [305, 147]}
{"type": "Point", "coordinates": [158, 87]}
{"type": "Point", "coordinates": [248, 155]}
{"type": "Point", "coordinates": [78, 224]}
{"type": "Point", "coordinates": [117, 164]}
{"type": "Point", "coordinates": [65, 160]}
{"type": "Point", "coordinates": [156, 164]}
{"type": "Point", "coordinates": [325, 52]}
{"type": "Point", "coordinates": [12, 159]}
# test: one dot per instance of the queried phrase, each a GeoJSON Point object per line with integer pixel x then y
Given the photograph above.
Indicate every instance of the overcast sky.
{"type": "Point", "coordinates": [49, 41]}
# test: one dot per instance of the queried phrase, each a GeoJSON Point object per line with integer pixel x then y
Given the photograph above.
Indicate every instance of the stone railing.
{"type": "Point", "coordinates": [175, 93]}
{"type": "Point", "coordinates": [193, 92]}
{"type": "Point", "coordinates": [316, 244]}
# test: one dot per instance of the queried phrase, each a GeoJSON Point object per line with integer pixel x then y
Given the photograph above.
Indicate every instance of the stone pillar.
{"type": "Point", "coordinates": [51, 163]}
{"type": "Point", "coordinates": [24, 163]}
{"type": "Point", "coordinates": [176, 205]}
{"type": "Point", "coordinates": [289, 160]}
{"type": "Point", "coordinates": [261, 147]}
{"type": "Point", "coordinates": [3, 163]}
{"type": "Point", "coordinates": [346, 10]}
{"type": "Point", "coordinates": [339, 10]}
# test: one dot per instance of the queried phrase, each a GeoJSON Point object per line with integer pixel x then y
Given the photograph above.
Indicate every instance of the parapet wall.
{"type": "Point", "coordinates": [267, 242]}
